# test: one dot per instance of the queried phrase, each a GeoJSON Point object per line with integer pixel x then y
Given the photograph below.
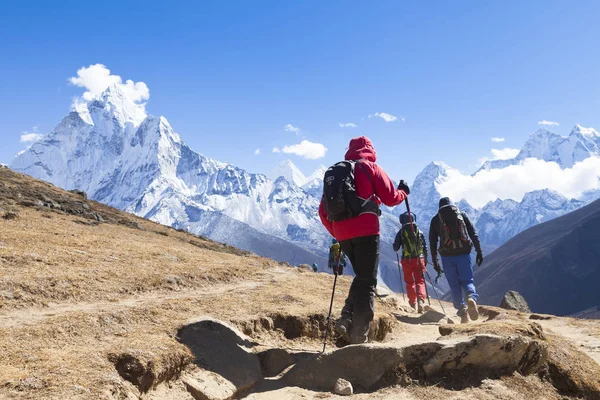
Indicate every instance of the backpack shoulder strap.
{"type": "Point", "coordinates": [441, 220]}
{"type": "Point", "coordinates": [368, 175]}
{"type": "Point", "coordinates": [370, 180]}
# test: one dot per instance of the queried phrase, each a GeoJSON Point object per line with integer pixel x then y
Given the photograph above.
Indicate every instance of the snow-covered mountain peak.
{"type": "Point", "coordinates": [549, 146]}
{"type": "Point", "coordinates": [314, 183]}
{"type": "Point", "coordinates": [435, 168]}
{"type": "Point", "coordinates": [434, 173]}
{"type": "Point", "coordinates": [440, 164]}
{"type": "Point", "coordinates": [113, 102]}
{"type": "Point", "coordinates": [318, 174]}
{"type": "Point", "coordinates": [424, 190]}
{"type": "Point", "coordinates": [542, 132]}
{"type": "Point", "coordinates": [290, 172]}
{"type": "Point", "coordinates": [588, 132]}
{"type": "Point", "coordinates": [544, 197]}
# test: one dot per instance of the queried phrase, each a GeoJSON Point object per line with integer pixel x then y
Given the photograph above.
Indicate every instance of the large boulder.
{"type": "Point", "coordinates": [382, 366]}
{"type": "Point", "coordinates": [322, 372]}
{"type": "Point", "coordinates": [222, 349]}
{"type": "Point", "coordinates": [488, 354]}
{"type": "Point", "coordinates": [514, 301]}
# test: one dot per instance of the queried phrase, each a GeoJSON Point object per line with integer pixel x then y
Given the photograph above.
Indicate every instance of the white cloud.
{"type": "Point", "coordinates": [498, 139]}
{"type": "Point", "coordinates": [386, 117]}
{"type": "Point", "coordinates": [515, 181]}
{"type": "Point", "coordinates": [292, 128]}
{"type": "Point", "coordinates": [500, 154]}
{"type": "Point", "coordinates": [256, 152]}
{"type": "Point", "coordinates": [31, 137]}
{"type": "Point", "coordinates": [347, 125]}
{"type": "Point", "coordinates": [276, 150]}
{"type": "Point", "coordinates": [548, 123]}
{"type": "Point", "coordinates": [306, 149]}
{"type": "Point", "coordinates": [96, 78]}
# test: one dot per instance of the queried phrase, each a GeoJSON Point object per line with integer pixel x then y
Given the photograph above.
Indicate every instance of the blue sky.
{"type": "Point", "coordinates": [230, 75]}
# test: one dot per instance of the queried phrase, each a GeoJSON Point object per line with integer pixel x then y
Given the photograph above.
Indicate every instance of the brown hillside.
{"type": "Point", "coordinates": [96, 303]}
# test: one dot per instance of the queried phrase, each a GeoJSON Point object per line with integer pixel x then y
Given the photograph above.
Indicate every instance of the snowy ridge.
{"type": "Point", "coordinates": [503, 219]}
{"type": "Point", "coordinates": [581, 143]}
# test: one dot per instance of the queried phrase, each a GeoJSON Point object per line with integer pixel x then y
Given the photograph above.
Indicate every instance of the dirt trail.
{"type": "Point", "coordinates": [34, 315]}
{"type": "Point", "coordinates": [585, 335]}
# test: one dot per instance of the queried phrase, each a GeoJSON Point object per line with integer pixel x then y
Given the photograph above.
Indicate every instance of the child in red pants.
{"type": "Point", "coordinates": [414, 258]}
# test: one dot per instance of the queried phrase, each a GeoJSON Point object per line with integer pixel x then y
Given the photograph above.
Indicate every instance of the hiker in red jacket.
{"type": "Point", "coordinates": [359, 235]}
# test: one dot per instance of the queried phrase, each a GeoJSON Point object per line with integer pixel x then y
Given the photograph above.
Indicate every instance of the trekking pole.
{"type": "Point", "coordinates": [401, 279]}
{"type": "Point", "coordinates": [434, 291]}
{"type": "Point", "coordinates": [335, 272]}
{"type": "Point", "coordinates": [412, 228]}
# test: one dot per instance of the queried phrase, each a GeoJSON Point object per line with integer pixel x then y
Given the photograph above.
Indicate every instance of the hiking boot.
{"type": "Point", "coordinates": [360, 336]}
{"type": "Point", "coordinates": [420, 306]}
{"type": "Point", "coordinates": [342, 328]}
{"type": "Point", "coordinates": [413, 306]}
{"type": "Point", "coordinates": [360, 339]}
{"type": "Point", "coordinates": [472, 307]}
{"type": "Point", "coordinates": [464, 316]}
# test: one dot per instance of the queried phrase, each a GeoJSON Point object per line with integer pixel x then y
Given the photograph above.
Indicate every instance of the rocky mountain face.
{"type": "Point", "coordinates": [555, 265]}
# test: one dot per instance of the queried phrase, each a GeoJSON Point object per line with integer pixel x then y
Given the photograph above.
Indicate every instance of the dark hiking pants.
{"type": "Point", "coordinates": [363, 253]}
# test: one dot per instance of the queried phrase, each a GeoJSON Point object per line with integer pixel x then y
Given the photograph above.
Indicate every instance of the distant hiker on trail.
{"type": "Point", "coordinates": [352, 192]}
{"type": "Point", "coordinates": [457, 237]}
{"type": "Point", "coordinates": [315, 267]}
{"type": "Point", "coordinates": [334, 255]}
{"type": "Point", "coordinates": [414, 258]}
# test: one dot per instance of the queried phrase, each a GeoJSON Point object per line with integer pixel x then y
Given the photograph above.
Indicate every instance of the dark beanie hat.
{"type": "Point", "coordinates": [444, 201]}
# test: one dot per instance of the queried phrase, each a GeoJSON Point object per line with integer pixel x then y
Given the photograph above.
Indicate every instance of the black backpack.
{"type": "Point", "coordinates": [339, 193]}
{"type": "Point", "coordinates": [453, 230]}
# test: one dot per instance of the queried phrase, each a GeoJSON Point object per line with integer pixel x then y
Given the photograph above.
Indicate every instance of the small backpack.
{"type": "Point", "coordinates": [339, 193]}
{"type": "Point", "coordinates": [412, 245]}
{"type": "Point", "coordinates": [334, 253]}
{"type": "Point", "coordinates": [453, 230]}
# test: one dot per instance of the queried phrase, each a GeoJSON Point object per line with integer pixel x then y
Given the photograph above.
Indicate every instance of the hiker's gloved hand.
{"type": "Point", "coordinates": [479, 259]}
{"type": "Point", "coordinates": [436, 266]}
{"type": "Point", "coordinates": [403, 186]}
